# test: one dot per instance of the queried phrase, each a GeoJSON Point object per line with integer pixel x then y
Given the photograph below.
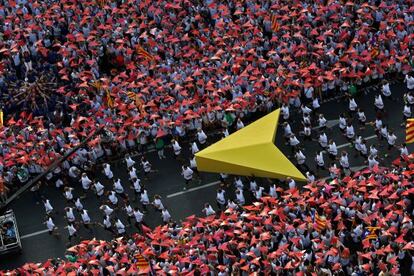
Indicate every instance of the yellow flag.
{"type": "Point", "coordinates": [1, 117]}
{"type": "Point", "coordinates": [109, 100]}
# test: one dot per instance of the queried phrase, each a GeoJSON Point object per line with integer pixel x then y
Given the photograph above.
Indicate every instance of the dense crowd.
{"type": "Point", "coordinates": [356, 225]}
{"type": "Point", "coordinates": [145, 68]}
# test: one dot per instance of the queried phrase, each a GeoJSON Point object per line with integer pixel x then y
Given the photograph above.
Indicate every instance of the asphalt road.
{"type": "Point", "coordinates": [38, 245]}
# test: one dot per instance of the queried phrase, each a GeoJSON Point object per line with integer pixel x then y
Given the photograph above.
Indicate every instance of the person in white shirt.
{"type": "Point", "coordinates": [129, 161]}
{"type": "Point", "coordinates": [144, 199]}
{"type": "Point", "coordinates": [252, 185]}
{"type": "Point", "coordinates": [352, 106]}
{"type": "Point", "coordinates": [362, 119]}
{"type": "Point", "coordinates": [406, 114]}
{"type": "Point", "coordinates": [107, 224]}
{"type": "Point", "coordinates": [372, 162]}
{"type": "Point", "coordinates": [403, 150]}
{"type": "Point", "coordinates": [334, 171]}
{"type": "Point", "coordinates": [86, 184]}
{"type": "Point", "coordinates": [208, 210]}
{"type": "Point", "coordinates": [386, 91]}
{"type": "Point", "coordinates": [384, 132]}
{"type": "Point", "coordinates": [273, 190]}
{"type": "Point", "coordinates": [350, 132]}
{"type": "Point", "coordinates": [78, 205]}
{"type": "Point", "coordinates": [86, 220]}
{"type": "Point", "coordinates": [315, 105]}
{"type": "Point", "coordinates": [258, 193]}
{"type": "Point", "coordinates": [74, 172]}
{"type": "Point", "coordinates": [344, 161]}
{"type": "Point", "coordinates": [99, 189]}
{"type": "Point", "coordinates": [138, 215]}
{"type": "Point", "coordinates": [306, 120]}
{"type": "Point", "coordinates": [146, 165]}
{"type": "Point", "coordinates": [201, 137]}
{"type": "Point", "coordinates": [108, 171]}
{"type": "Point", "coordinates": [129, 211]}
{"type": "Point", "coordinates": [378, 124]}
{"type": "Point", "coordinates": [332, 150]}
{"type": "Point", "coordinates": [285, 111]}
{"type": "Point", "coordinates": [363, 148]}
{"type": "Point", "coordinates": [323, 140]}
{"type": "Point", "coordinates": [320, 162]}
{"type": "Point", "coordinates": [305, 110]}
{"type": "Point", "coordinates": [157, 203]}
{"type": "Point", "coordinates": [238, 183]}
{"type": "Point", "coordinates": [48, 207]}
{"type": "Point", "coordinates": [379, 104]}
{"type": "Point", "coordinates": [194, 148]}
{"type": "Point", "coordinates": [187, 173]}
{"type": "Point", "coordinates": [166, 217]}
{"type": "Point", "coordinates": [51, 227]}
{"type": "Point", "coordinates": [136, 186]}
{"type": "Point", "coordinates": [357, 143]}
{"type": "Point", "coordinates": [409, 80]}
{"type": "Point", "coordinates": [291, 183]}
{"type": "Point", "coordinates": [322, 122]}
{"type": "Point", "coordinates": [132, 173]}
{"type": "Point", "coordinates": [107, 210]}
{"type": "Point", "coordinates": [176, 148]}
{"type": "Point", "coordinates": [120, 227]}
{"type": "Point", "coordinates": [240, 197]}
{"type": "Point", "coordinates": [72, 232]}
{"type": "Point", "coordinates": [310, 177]}
{"type": "Point", "coordinates": [287, 130]}
{"type": "Point", "coordinates": [225, 132]}
{"type": "Point", "coordinates": [220, 198]}
{"type": "Point", "coordinates": [373, 150]}
{"type": "Point", "coordinates": [293, 142]}
{"type": "Point", "coordinates": [239, 124]}
{"type": "Point", "coordinates": [70, 216]}
{"type": "Point", "coordinates": [391, 139]}
{"type": "Point", "coordinates": [68, 194]}
{"type": "Point", "coordinates": [342, 122]}
{"type": "Point", "coordinates": [231, 205]}
{"type": "Point", "coordinates": [113, 198]}
{"type": "Point", "coordinates": [307, 132]}
{"type": "Point", "coordinates": [301, 160]}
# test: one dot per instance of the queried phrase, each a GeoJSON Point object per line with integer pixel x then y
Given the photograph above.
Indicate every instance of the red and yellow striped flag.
{"type": "Point", "coordinates": [144, 54]}
{"type": "Point", "coordinates": [109, 100]}
{"type": "Point", "coordinates": [320, 222]}
{"type": "Point", "coordinates": [142, 263]}
{"type": "Point", "coordinates": [409, 132]}
{"type": "Point", "coordinates": [275, 24]}
{"type": "Point", "coordinates": [101, 3]}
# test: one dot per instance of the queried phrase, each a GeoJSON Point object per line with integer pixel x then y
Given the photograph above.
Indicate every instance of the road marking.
{"type": "Point", "coordinates": [348, 144]}
{"type": "Point", "coordinates": [193, 189]}
{"type": "Point", "coordinates": [34, 234]}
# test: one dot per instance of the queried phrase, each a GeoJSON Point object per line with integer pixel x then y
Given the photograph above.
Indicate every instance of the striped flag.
{"type": "Point", "coordinates": [97, 85]}
{"type": "Point", "coordinates": [369, 233]}
{"type": "Point", "coordinates": [1, 117]}
{"type": "Point", "coordinates": [409, 132]}
{"type": "Point", "coordinates": [109, 100]}
{"type": "Point", "coordinates": [319, 221]}
{"type": "Point", "coordinates": [142, 263]}
{"type": "Point", "coordinates": [101, 3]}
{"type": "Point", "coordinates": [275, 24]}
{"type": "Point", "coordinates": [144, 54]}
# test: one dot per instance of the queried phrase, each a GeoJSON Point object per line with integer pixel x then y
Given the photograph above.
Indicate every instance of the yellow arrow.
{"type": "Point", "coordinates": [249, 151]}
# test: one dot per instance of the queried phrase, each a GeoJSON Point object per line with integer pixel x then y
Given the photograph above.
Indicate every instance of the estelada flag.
{"type": "Point", "coordinates": [409, 132]}
{"type": "Point", "coordinates": [275, 24]}
{"type": "Point", "coordinates": [142, 263]}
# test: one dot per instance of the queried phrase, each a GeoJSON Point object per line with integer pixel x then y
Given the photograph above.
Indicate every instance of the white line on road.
{"type": "Point", "coordinates": [348, 144]}
{"type": "Point", "coordinates": [34, 234]}
{"type": "Point", "coordinates": [193, 189]}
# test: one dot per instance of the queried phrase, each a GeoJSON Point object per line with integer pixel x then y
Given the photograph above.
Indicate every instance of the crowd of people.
{"type": "Point", "coordinates": [357, 225]}
{"type": "Point", "coordinates": [145, 68]}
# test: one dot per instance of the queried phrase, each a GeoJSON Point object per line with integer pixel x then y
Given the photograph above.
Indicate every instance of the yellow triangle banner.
{"type": "Point", "coordinates": [249, 151]}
